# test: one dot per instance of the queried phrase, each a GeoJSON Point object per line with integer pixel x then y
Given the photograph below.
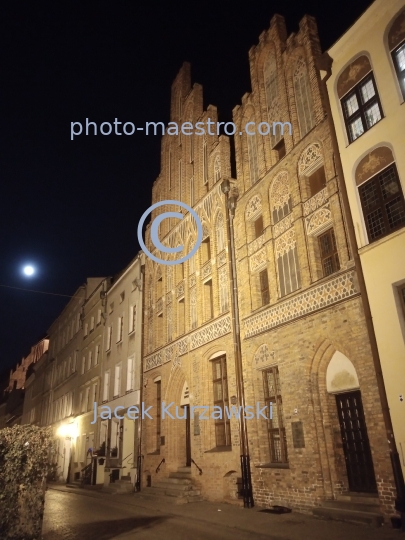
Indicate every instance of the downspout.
{"type": "Point", "coordinates": [247, 491]}
{"type": "Point", "coordinates": [325, 64]}
{"type": "Point", "coordinates": [138, 483]}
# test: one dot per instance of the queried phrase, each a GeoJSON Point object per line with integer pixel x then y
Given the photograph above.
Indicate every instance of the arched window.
{"type": "Point", "coordinates": [220, 230]}
{"type": "Point", "coordinates": [217, 169]}
{"type": "Point", "coordinates": [396, 44]}
{"type": "Point", "coordinates": [223, 289]}
{"type": "Point", "coordinates": [381, 195]}
{"type": "Point", "coordinates": [280, 197]}
{"type": "Point", "coordinates": [287, 262]}
{"type": "Point", "coordinates": [303, 97]}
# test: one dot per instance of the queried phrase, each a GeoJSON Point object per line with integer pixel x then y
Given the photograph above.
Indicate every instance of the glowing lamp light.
{"type": "Point", "coordinates": [67, 431]}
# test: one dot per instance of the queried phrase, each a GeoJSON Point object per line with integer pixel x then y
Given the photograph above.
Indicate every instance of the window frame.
{"type": "Point", "coordinates": [224, 402]}
{"type": "Point", "coordinates": [381, 203]}
{"type": "Point", "coordinates": [400, 74]}
{"type": "Point", "coordinates": [360, 112]}
{"type": "Point", "coordinates": [333, 254]}
{"type": "Point", "coordinates": [269, 400]}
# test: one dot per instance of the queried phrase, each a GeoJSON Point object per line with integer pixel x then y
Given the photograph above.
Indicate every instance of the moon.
{"type": "Point", "coordinates": [29, 270]}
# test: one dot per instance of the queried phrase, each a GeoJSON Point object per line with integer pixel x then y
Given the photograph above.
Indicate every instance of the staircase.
{"type": "Point", "coordinates": [178, 485]}
{"type": "Point", "coordinates": [352, 507]}
{"type": "Point", "coordinates": [123, 485]}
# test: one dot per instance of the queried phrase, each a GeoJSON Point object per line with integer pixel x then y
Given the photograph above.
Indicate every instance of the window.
{"type": "Point", "coordinates": [97, 355]}
{"type": "Point", "coordinates": [401, 291]}
{"type": "Point", "coordinates": [132, 319]}
{"type": "Point", "coordinates": [159, 287]}
{"type": "Point", "coordinates": [220, 387]}
{"type": "Point", "coordinates": [208, 300]}
{"type": "Point", "coordinates": [91, 324]}
{"type": "Point", "coordinates": [122, 297]}
{"type": "Point", "coordinates": [89, 360]}
{"type": "Point", "coordinates": [383, 204]}
{"type": "Point", "coordinates": [106, 386]}
{"type": "Point", "coordinates": [206, 250]}
{"type": "Point", "coordinates": [361, 108]}
{"type": "Point", "coordinates": [317, 181]}
{"type": "Point", "coordinates": [117, 380]}
{"type": "Point", "coordinates": [94, 393]}
{"type": "Point", "coordinates": [74, 366]}
{"type": "Point", "coordinates": [398, 56]}
{"type": "Point", "coordinates": [130, 373]}
{"type": "Point", "coordinates": [98, 317]}
{"type": "Point", "coordinates": [158, 412]}
{"type": "Point", "coordinates": [111, 307]}
{"type": "Point", "coordinates": [287, 263]}
{"type": "Point", "coordinates": [280, 149]}
{"type": "Point", "coordinates": [109, 338]}
{"type": "Point", "coordinates": [83, 365]}
{"type": "Point", "coordinates": [264, 287]}
{"type": "Point", "coordinates": [329, 254]}
{"type": "Point", "coordinates": [86, 331]}
{"type": "Point", "coordinates": [258, 226]}
{"type": "Point", "coordinates": [85, 401]}
{"type": "Point", "coordinates": [120, 328]}
{"type": "Point", "coordinates": [276, 429]}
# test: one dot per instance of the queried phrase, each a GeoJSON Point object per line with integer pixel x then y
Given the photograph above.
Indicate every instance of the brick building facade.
{"type": "Point", "coordinates": [188, 339]}
{"type": "Point", "coordinates": [305, 345]}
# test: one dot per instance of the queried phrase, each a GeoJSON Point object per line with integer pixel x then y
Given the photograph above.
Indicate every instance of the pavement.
{"type": "Point", "coordinates": [75, 514]}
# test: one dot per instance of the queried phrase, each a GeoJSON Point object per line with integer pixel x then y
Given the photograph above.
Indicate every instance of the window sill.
{"type": "Point", "coordinates": [219, 449]}
{"type": "Point", "coordinates": [272, 466]}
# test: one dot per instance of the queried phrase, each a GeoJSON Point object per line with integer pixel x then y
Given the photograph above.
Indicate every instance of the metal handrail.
{"type": "Point", "coordinates": [192, 461]}
{"type": "Point", "coordinates": [158, 467]}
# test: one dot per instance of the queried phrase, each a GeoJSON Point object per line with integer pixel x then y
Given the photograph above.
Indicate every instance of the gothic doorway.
{"type": "Point", "coordinates": [356, 446]}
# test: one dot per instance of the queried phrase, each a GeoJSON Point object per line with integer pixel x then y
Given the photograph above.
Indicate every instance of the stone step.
{"type": "Point", "coordinates": [177, 479]}
{"type": "Point", "coordinates": [352, 516]}
{"type": "Point", "coordinates": [184, 470]}
{"type": "Point", "coordinates": [360, 498]}
{"type": "Point", "coordinates": [351, 505]}
{"type": "Point", "coordinates": [180, 475]}
{"type": "Point", "coordinates": [174, 487]}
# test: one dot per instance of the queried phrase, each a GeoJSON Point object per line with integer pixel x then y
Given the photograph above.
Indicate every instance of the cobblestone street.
{"type": "Point", "coordinates": [76, 514]}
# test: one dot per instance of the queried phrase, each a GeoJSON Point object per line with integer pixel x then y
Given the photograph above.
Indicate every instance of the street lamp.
{"type": "Point", "coordinates": [247, 492]}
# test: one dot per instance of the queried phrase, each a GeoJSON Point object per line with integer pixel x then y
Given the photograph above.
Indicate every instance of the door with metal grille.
{"type": "Point", "coordinates": [359, 464]}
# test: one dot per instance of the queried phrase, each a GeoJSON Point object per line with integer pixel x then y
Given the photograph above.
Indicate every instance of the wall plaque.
{"type": "Point", "coordinates": [298, 434]}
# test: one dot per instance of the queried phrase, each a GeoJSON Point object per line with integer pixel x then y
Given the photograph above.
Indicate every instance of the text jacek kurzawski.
{"type": "Point", "coordinates": [170, 411]}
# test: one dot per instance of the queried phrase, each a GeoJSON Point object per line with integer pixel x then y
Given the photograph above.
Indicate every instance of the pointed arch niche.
{"type": "Point", "coordinates": [341, 375]}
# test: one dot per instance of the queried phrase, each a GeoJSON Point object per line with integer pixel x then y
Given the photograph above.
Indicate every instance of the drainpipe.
{"type": "Point", "coordinates": [325, 64]}
{"type": "Point", "coordinates": [138, 483]}
{"type": "Point", "coordinates": [248, 501]}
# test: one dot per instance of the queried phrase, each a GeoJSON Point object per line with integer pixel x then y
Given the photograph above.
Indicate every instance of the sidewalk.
{"type": "Point", "coordinates": [293, 526]}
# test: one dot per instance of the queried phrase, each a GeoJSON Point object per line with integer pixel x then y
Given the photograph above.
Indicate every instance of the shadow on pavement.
{"type": "Point", "coordinates": [103, 530]}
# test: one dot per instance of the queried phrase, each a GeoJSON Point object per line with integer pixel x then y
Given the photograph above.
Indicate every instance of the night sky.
{"type": "Point", "coordinates": [71, 208]}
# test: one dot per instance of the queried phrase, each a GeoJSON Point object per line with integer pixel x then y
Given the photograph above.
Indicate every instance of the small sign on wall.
{"type": "Point", "coordinates": [298, 434]}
